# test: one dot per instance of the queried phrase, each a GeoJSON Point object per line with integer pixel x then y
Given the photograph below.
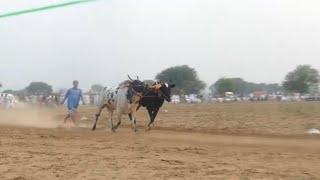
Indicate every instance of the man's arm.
{"type": "Point", "coordinates": [66, 96]}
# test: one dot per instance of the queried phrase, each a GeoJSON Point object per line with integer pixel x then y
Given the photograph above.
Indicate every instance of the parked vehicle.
{"type": "Point", "coordinates": [229, 97]}
{"type": "Point", "coordinates": [309, 97]}
{"type": "Point", "coordinates": [175, 99]}
{"type": "Point", "coordinates": [192, 98]}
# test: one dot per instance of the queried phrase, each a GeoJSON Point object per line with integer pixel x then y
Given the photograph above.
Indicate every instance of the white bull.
{"type": "Point", "coordinates": [123, 100]}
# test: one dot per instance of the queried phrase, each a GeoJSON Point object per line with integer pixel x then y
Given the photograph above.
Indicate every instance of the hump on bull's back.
{"type": "Point", "coordinates": [124, 84]}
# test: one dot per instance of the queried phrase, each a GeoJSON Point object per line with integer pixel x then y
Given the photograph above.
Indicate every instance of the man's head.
{"type": "Point", "coordinates": [75, 84]}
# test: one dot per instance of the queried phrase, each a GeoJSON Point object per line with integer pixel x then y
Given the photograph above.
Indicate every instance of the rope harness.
{"type": "Point", "coordinates": [143, 95]}
{"type": "Point", "coordinates": [160, 94]}
{"type": "Point", "coordinates": [132, 92]}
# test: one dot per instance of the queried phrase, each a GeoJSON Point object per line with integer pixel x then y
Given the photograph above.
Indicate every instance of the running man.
{"type": "Point", "coordinates": [73, 95]}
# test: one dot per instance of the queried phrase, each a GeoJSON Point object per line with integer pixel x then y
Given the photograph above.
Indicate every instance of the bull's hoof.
{"type": "Point", "coordinates": [93, 128]}
{"type": "Point", "coordinates": [113, 130]}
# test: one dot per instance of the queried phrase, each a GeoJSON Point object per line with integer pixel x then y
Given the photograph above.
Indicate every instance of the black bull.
{"type": "Point", "coordinates": [153, 100]}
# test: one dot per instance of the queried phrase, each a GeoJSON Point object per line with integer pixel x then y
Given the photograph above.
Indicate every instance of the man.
{"type": "Point", "coordinates": [73, 95]}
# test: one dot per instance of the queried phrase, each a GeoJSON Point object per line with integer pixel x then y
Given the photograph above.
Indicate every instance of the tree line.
{"type": "Point", "coordinates": [242, 87]}
{"type": "Point", "coordinates": [303, 79]}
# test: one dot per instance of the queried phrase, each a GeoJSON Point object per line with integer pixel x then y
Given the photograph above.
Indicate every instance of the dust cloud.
{"type": "Point", "coordinates": [29, 117]}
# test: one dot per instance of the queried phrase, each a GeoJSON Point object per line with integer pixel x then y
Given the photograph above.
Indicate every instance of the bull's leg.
{"type": "Point", "coordinates": [138, 107]}
{"type": "Point", "coordinates": [97, 117]}
{"type": "Point", "coordinates": [111, 121]}
{"type": "Point", "coordinates": [133, 120]}
{"type": "Point", "coordinates": [119, 122]}
{"type": "Point", "coordinates": [130, 118]}
{"type": "Point", "coordinates": [150, 112]}
{"type": "Point", "coordinates": [152, 117]}
{"type": "Point", "coordinates": [117, 126]}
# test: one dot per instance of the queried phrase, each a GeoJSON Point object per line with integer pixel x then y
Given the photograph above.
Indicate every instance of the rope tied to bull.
{"type": "Point", "coordinates": [157, 90]}
{"type": "Point", "coordinates": [132, 92]}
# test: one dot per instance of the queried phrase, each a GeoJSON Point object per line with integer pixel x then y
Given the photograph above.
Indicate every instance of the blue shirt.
{"type": "Point", "coordinates": [73, 95]}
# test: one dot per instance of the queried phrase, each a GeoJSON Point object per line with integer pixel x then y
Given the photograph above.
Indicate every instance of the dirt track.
{"type": "Point", "coordinates": [79, 153]}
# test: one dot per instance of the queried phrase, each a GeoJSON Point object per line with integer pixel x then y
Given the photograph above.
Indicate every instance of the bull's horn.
{"type": "Point", "coordinates": [130, 78]}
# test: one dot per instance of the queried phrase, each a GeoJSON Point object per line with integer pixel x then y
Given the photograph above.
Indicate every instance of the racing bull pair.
{"type": "Point", "coordinates": [129, 96]}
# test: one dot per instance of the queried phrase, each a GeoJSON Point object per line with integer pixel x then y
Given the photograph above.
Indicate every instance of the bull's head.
{"type": "Point", "coordinates": [137, 85]}
{"type": "Point", "coordinates": [164, 89]}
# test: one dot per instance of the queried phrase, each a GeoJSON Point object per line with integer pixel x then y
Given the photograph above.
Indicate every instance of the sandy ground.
{"type": "Point", "coordinates": [248, 141]}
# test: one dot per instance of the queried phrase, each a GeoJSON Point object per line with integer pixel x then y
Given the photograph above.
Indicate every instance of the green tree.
{"type": "Point", "coordinates": [185, 78]}
{"type": "Point", "coordinates": [301, 79]}
{"type": "Point", "coordinates": [9, 91]}
{"type": "Point", "coordinates": [38, 88]}
{"type": "Point", "coordinates": [149, 82]}
{"type": "Point", "coordinates": [96, 88]}
{"type": "Point", "coordinates": [213, 89]}
{"type": "Point", "coordinates": [236, 85]}
{"type": "Point", "coordinates": [271, 88]}
{"type": "Point", "coordinates": [241, 87]}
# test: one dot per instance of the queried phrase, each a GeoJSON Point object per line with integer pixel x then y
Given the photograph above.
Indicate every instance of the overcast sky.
{"type": "Point", "coordinates": [103, 41]}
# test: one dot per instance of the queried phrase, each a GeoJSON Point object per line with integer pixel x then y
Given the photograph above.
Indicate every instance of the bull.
{"type": "Point", "coordinates": [153, 99]}
{"type": "Point", "coordinates": [124, 100]}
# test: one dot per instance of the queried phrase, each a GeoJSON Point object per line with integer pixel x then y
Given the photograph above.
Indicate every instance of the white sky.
{"type": "Point", "coordinates": [103, 41]}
